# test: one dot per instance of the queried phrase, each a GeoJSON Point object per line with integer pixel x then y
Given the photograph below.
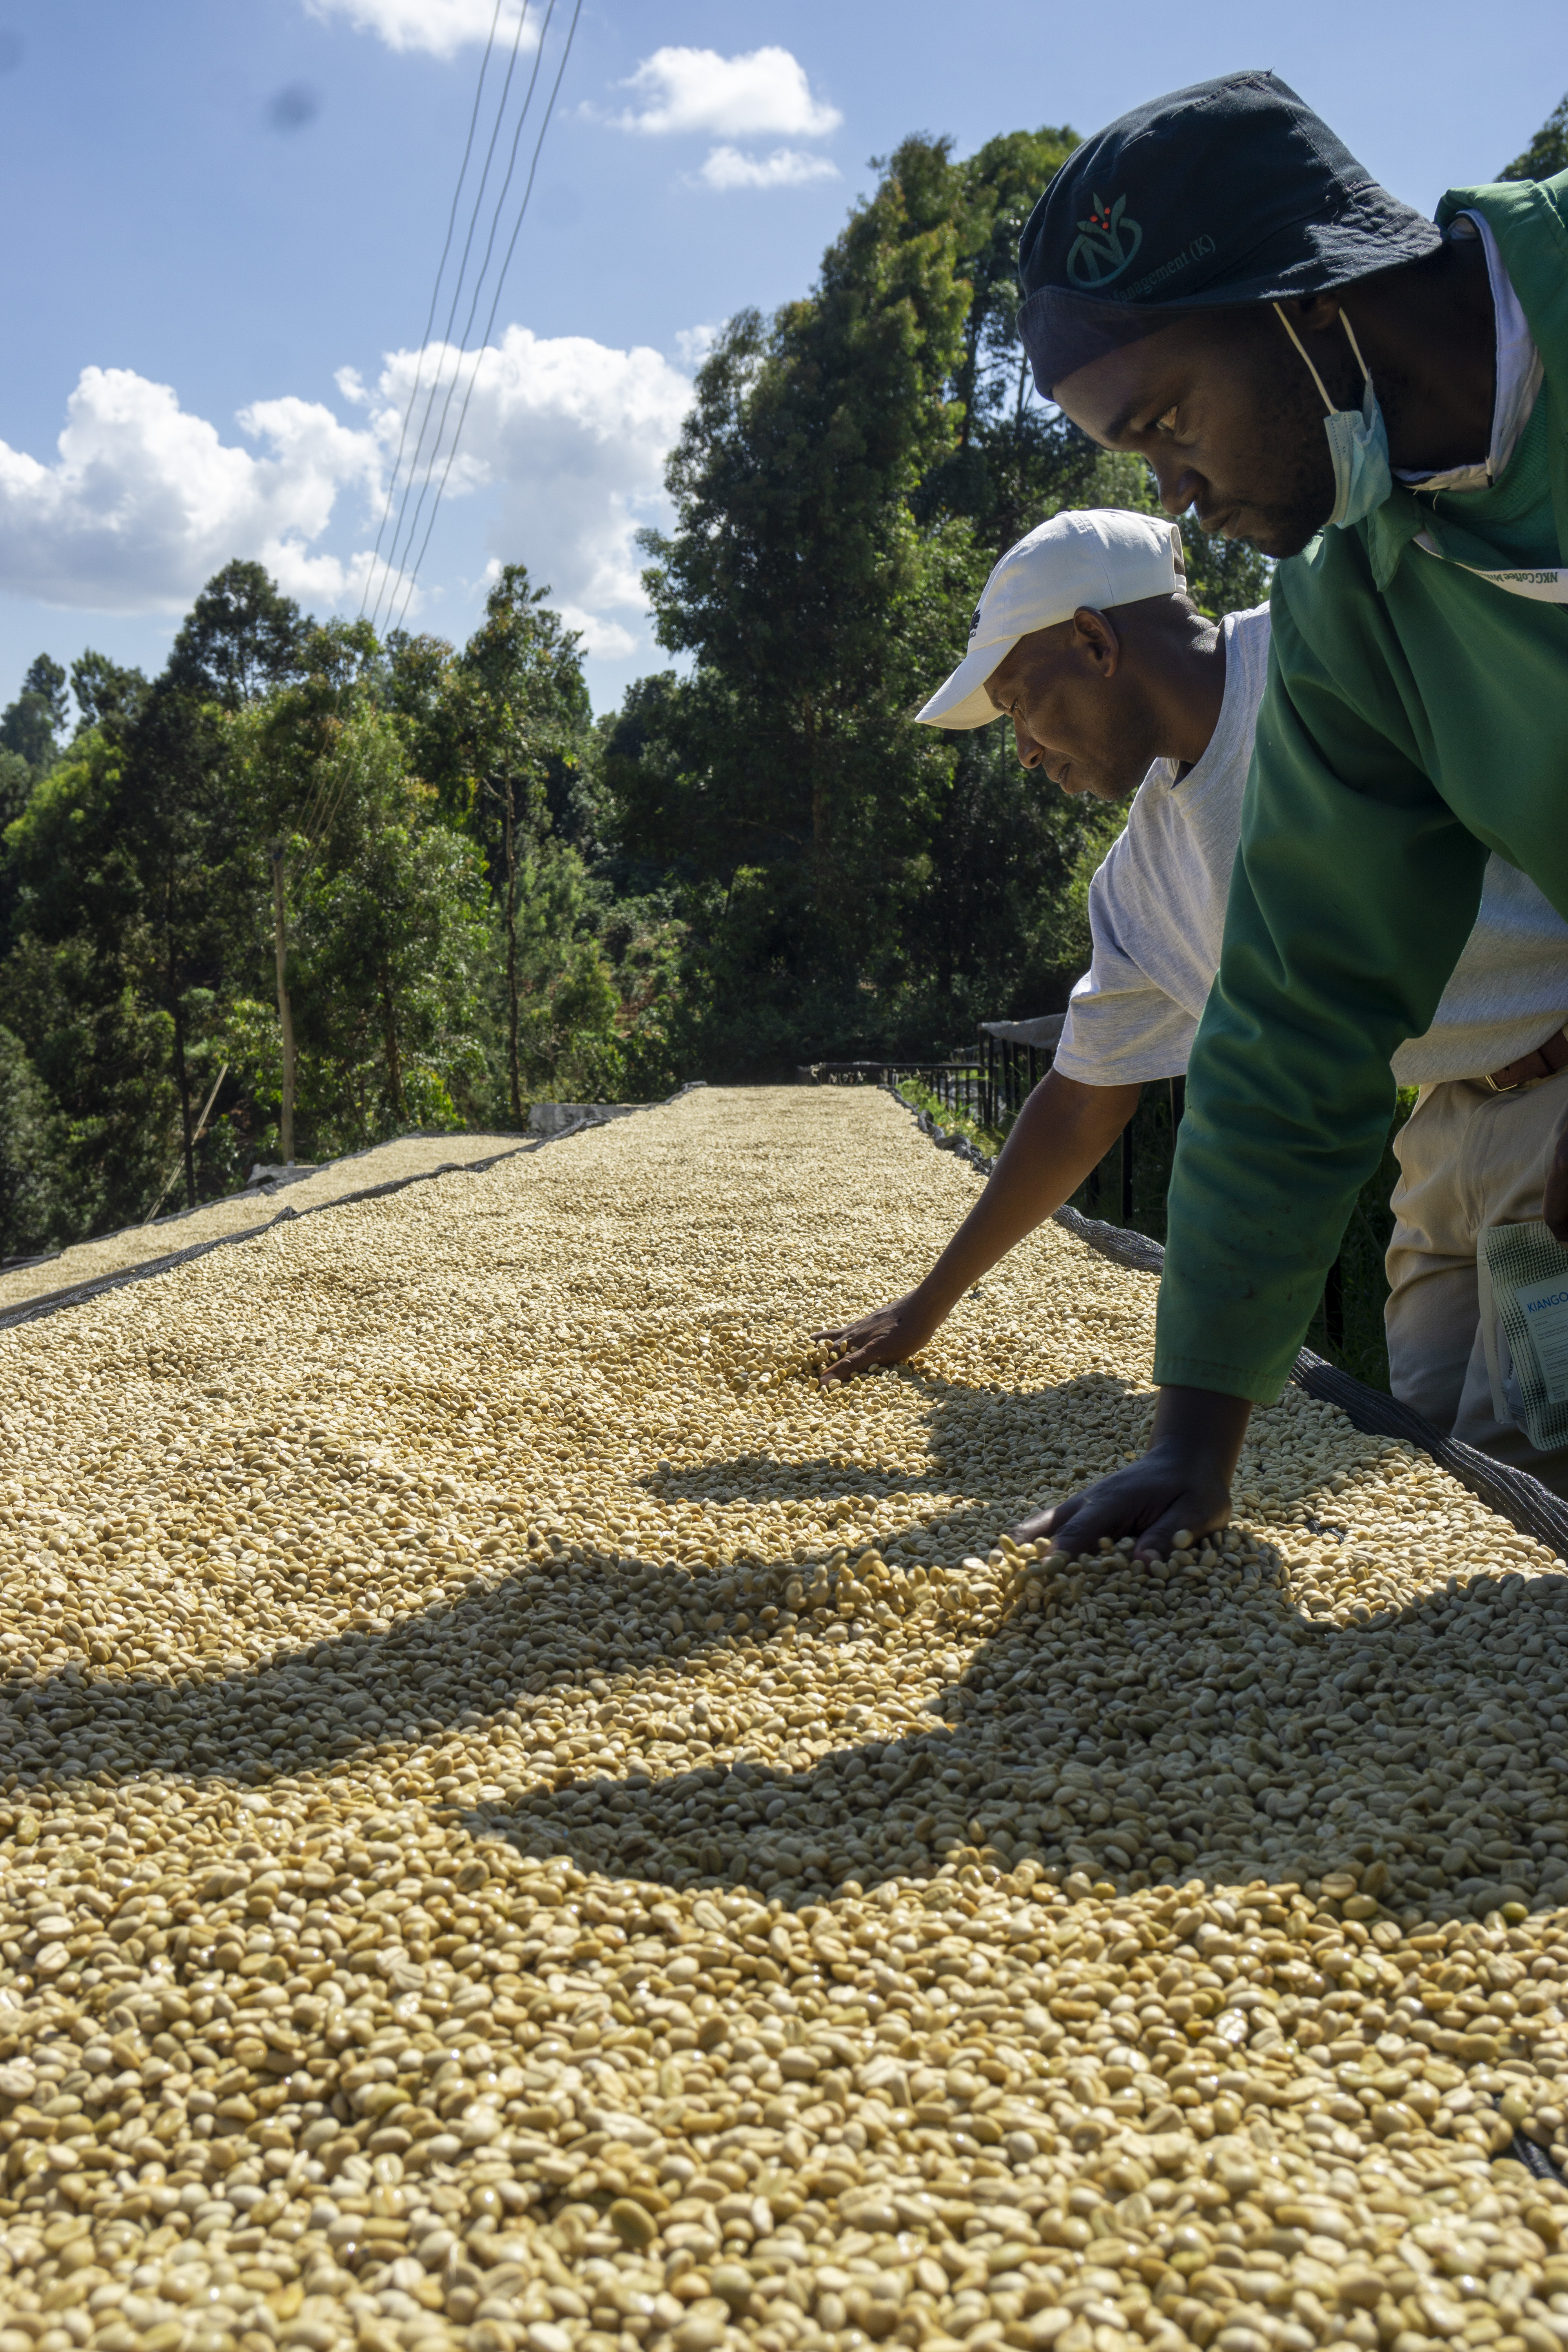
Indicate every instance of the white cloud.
{"type": "Point", "coordinates": [602, 640]}
{"type": "Point", "coordinates": [439, 27]}
{"type": "Point", "coordinates": [572, 437]}
{"type": "Point", "coordinates": [728, 98]}
{"type": "Point", "coordinates": [146, 501]}
{"type": "Point", "coordinates": [143, 503]}
{"type": "Point", "coordinates": [694, 344]}
{"type": "Point", "coordinates": [786, 167]}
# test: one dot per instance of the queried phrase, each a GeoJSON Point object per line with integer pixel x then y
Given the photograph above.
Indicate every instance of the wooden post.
{"type": "Point", "coordinates": [285, 1011]}
{"type": "Point", "coordinates": [514, 1074]}
{"type": "Point", "coordinates": [201, 1130]}
{"type": "Point", "coordinates": [183, 1080]}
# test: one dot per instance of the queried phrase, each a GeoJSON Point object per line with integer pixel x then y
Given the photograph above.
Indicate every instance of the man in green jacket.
{"type": "Point", "coordinates": [1381, 400]}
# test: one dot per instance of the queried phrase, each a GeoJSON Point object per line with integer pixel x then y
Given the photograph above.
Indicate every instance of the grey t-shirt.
{"type": "Point", "coordinates": [1156, 909]}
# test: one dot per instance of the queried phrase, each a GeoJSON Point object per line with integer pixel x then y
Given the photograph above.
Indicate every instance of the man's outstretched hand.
{"type": "Point", "coordinates": [1063, 1131]}
{"type": "Point", "coordinates": [1181, 1485]}
{"type": "Point", "coordinates": [887, 1336]}
{"type": "Point", "coordinates": [1554, 1208]}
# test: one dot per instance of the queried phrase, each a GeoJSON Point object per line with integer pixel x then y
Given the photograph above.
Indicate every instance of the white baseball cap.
{"type": "Point", "coordinates": [1098, 556]}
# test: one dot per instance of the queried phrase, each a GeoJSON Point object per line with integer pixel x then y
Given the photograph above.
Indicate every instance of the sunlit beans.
{"type": "Point", "coordinates": [526, 1824]}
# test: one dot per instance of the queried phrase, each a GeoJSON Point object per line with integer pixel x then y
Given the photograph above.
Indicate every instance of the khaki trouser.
{"type": "Point", "coordinates": [1468, 1158]}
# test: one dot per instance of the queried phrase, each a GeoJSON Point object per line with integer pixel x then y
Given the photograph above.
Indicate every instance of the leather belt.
{"type": "Point", "coordinates": [1531, 1068]}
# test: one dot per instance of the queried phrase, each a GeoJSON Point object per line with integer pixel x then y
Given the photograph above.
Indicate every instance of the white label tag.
{"type": "Point", "coordinates": [1547, 587]}
{"type": "Point", "coordinates": [1545, 1306]}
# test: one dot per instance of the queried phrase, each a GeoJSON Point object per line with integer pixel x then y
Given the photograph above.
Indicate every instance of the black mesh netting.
{"type": "Point", "coordinates": [1514, 1495]}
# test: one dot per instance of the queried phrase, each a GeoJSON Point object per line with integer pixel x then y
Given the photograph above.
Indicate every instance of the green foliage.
{"type": "Point", "coordinates": [949, 1117]}
{"type": "Point", "coordinates": [240, 640]}
{"type": "Point", "coordinates": [1547, 152]}
{"type": "Point", "coordinates": [523, 711]}
{"type": "Point", "coordinates": [384, 918]}
{"type": "Point", "coordinates": [29, 726]}
{"type": "Point", "coordinates": [1014, 460]}
{"type": "Point", "coordinates": [797, 573]}
{"type": "Point", "coordinates": [392, 790]}
{"type": "Point", "coordinates": [570, 1044]}
{"type": "Point", "coordinates": [16, 787]}
{"type": "Point", "coordinates": [36, 1212]}
{"type": "Point", "coordinates": [82, 978]}
{"type": "Point", "coordinates": [389, 940]}
{"type": "Point", "coordinates": [104, 692]}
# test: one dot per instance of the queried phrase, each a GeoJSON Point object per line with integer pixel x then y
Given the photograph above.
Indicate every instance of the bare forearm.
{"type": "Point", "coordinates": [1063, 1130]}
{"type": "Point", "coordinates": [1060, 1136]}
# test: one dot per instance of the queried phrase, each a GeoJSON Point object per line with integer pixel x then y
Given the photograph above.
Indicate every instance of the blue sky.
{"type": "Point", "coordinates": [224, 222]}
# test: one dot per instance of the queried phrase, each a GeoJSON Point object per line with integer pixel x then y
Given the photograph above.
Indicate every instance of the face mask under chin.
{"type": "Point", "coordinates": [1357, 438]}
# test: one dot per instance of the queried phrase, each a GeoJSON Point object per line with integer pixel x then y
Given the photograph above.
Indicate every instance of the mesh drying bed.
{"type": "Point", "coordinates": [1514, 1495]}
{"type": "Point", "coordinates": [50, 1302]}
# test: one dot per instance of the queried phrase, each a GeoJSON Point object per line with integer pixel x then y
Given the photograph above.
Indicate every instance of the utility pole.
{"type": "Point", "coordinates": [513, 1072]}
{"type": "Point", "coordinates": [284, 1013]}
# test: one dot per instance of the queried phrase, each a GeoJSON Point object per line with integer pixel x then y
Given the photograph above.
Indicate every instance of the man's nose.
{"type": "Point", "coordinates": [1029, 752]}
{"type": "Point", "coordinates": [1179, 484]}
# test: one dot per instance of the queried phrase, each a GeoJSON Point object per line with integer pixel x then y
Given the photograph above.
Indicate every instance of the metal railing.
{"type": "Point", "coordinates": [956, 1085]}
{"type": "Point", "coordinates": [1011, 1058]}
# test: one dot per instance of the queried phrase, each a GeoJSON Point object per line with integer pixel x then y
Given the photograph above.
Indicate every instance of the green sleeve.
{"type": "Point", "coordinates": [1354, 891]}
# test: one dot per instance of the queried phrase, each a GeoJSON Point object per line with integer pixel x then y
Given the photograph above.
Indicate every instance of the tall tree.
{"type": "Point", "coordinates": [1018, 459]}
{"type": "Point", "coordinates": [377, 947]}
{"type": "Point", "coordinates": [302, 765]}
{"type": "Point", "coordinates": [105, 693]}
{"type": "Point", "coordinates": [15, 791]}
{"type": "Point", "coordinates": [801, 579]}
{"type": "Point", "coordinates": [525, 712]}
{"type": "Point", "coordinates": [29, 726]}
{"type": "Point", "coordinates": [81, 979]}
{"type": "Point", "coordinates": [241, 639]}
{"type": "Point", "coordinates": [1015, 459]}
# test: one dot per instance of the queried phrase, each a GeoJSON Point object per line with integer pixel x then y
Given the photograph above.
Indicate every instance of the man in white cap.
{"type": "Point", "coordinates": [1117, 686]}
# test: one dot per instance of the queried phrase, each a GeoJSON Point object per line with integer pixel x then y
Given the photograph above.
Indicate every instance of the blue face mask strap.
{"type": "Point", "coordinates": [1317, 379]}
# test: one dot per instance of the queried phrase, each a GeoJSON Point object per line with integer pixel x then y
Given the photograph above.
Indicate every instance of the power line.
{"type": "Point", "coordinates": [434, 296]}
{"type": "Point", "coordinates": [355, 773]}
{"type": "Point", "coordinates": [384, 587]}
{"type": "Point", "coordinates": [490, 324]}
{"type": "Point", "coordinates": [457, 297]}
{"type": "Point", "coordinates": [322, 813]}
{"type": "Point", "coordinates": [468, 330]}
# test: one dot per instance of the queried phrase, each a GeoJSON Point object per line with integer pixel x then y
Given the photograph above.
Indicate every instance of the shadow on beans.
{"type": "Point", "coordinates": [1130, 1731]}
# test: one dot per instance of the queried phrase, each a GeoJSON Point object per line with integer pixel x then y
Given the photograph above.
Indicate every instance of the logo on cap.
{"type": "Point", "coordinates": [974, 624]}
{"type": "Point", "coordinates": [1106, 244]}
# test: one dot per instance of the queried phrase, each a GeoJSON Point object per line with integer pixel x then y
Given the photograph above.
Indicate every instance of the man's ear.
{"type": "Point", "coordinates": [1095, 632]}
{"type": "Point", "coordinates": [1314, 313]}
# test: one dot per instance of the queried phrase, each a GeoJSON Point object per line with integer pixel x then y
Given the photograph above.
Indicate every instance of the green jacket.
{"type": "Point", "coordinates": [1415, 718]}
